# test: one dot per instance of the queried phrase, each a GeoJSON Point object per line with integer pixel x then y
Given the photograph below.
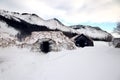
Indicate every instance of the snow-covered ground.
{"type": "Point", "coordinates": [90, 63]}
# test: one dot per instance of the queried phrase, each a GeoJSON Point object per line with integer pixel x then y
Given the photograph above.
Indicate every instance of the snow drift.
{"type": "Point", "coordinates": [101, 62]}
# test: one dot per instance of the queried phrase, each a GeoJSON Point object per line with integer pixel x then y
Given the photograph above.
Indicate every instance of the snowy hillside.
{"type": "Point", "coordinates": [90, 63]}
{"type": "Point", "coordinates": [25, 23]}
{"type": "Point", "coordinates": [94, 32]}
{"type": "Point", "coordinates": [4, 27]}
{"type": "Point", "coordinates": [53, 24]}
{"type": "Point", "coordinates": [115, 34]}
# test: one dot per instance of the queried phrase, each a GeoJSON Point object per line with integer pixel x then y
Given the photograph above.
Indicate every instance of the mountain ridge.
{"type": "Point", "coordinates": [95, 33]}
{"type": "Point", "coordinates": [27, 22]}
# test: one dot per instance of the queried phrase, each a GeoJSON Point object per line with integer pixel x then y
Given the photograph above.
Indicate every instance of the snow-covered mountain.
{"type": "Point", "coordinates": [115, 34]}
{"type": "Point", "coordinates": [94, 32]}
{"type": "Point", "coordinates": [31, 22]}
{"type": "Point", "coordinates": [25, 24]}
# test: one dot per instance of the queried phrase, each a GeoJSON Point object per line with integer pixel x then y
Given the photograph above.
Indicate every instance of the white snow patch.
{"type": "Point", "coordinates": [7, 29]}
{"type": "Point", "coordinates": [20, 64]}
{"type": "Point", "coordinates": [99, 34]}
{"type": "Point", "coordinates": [115, 35]}
{"type": "Point", "coordinates": [90, 63]}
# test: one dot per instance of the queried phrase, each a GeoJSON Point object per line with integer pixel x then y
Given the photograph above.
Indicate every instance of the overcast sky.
{"type": "Point", "coordinates": [70, 11]}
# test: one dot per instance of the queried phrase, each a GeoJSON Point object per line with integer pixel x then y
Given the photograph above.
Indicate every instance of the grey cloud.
{"type": "Point", "coordinates": [118, 1]}
{"type": "Point", "coordinates": [95, 5]}
{"type": "Point", "coordinates": [59, 4]}
{"type": "Point", "coordinates": [66, 8]}
{"type": "Point", "coordinates": [11, 4]}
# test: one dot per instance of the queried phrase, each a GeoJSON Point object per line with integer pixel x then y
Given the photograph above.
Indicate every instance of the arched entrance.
{"type": "Point", "coordinates": [45, 46]}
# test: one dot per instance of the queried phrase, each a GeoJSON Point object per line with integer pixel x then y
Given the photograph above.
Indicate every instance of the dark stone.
{"type": "Point", "coordinates": [118, 45]}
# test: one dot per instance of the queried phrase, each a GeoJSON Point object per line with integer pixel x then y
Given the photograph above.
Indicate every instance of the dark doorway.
{"type": "Point", "coordinates": [45, 47]}
{"type": "Point", "coordinates": [80, 43]}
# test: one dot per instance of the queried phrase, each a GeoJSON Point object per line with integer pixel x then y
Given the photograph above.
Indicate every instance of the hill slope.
{"type": "Point", "coordinates": [25, 23]}
{"type": "Point", "coordinates": [94, 32]}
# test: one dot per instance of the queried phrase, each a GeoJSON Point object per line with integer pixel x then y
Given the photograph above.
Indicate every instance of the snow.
{"type": "Point", "coordinates": [115, 35]}
{"type": "Point", "coordinates": [33, 19]}
{"type": "Point", "coordinates": [101, 62]}
{"type": "Point", "coordinates": [4, 28]}
{"type": "Point", "coordinates": [54, 24]}
{"type": "Point", "coordinates": [94, 33]}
